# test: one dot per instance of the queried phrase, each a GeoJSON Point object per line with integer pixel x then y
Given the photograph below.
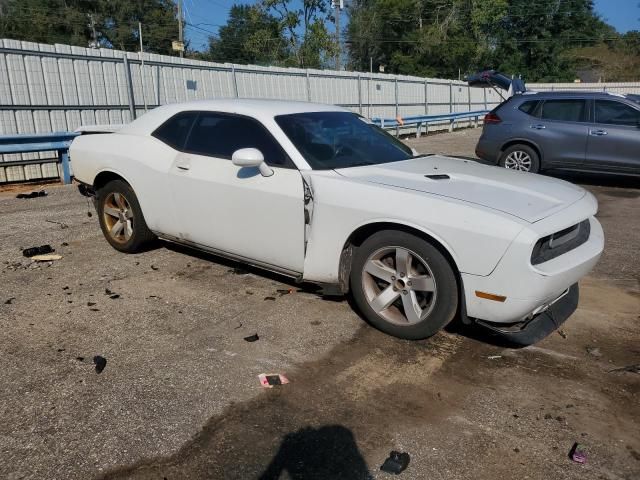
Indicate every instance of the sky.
{"type": "Point", "coordinates": [208, 15]}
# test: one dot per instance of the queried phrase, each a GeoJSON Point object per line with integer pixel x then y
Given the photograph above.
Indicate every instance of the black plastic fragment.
{"type": "Point", "coordinates": [114, 296]}
{"type": "Point", "coordinates": [41, 250]}
{"type": "Point", "coordinates": [252, 338]}
{"type": "Point", "coordinates": [9, 301]}
{"type": "Point", "coordinates": [396, 463]}
{"type": "Point", "coordinates": [273, 380]}
{"type": "Point", "coordinates": [35, 194]}
{"type": "Point", "coordinates": [100, 362]}
{"type": "Point", "coordinates": [269, 298]}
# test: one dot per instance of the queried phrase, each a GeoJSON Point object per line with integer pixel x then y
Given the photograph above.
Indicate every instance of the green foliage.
{"type": "Point", "coordinates": [537, 39]}
{"type": "Point", "coordinates": [115, 22]}
{"type": "Point", "coordinates": [304, 25]}
{"type": "Point", "coordinates": [251, 36]}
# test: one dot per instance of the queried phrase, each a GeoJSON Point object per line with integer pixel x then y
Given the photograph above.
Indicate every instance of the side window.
{"type": "Point", "coordinates": [528, 107]}
{"type": "Point", "coordinates": [219, 135]}
{"type": "Point", "coordinates": [564, 110]}
{"type": "Point", "coordinates": [616, 113]}
{"type": "Point", "coordinates": [174, 131]}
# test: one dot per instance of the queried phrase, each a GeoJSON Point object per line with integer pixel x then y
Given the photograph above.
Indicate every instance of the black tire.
{"type": "Point", "coordinates": [524, 149]}
{"type": "Point", "coordinates": [444, 302]}
{"type": "Point", "coordinates": [138, 235]}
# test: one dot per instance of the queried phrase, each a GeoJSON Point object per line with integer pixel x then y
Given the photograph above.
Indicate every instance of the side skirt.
{"type": "Point", "coordinates": [297, 276]}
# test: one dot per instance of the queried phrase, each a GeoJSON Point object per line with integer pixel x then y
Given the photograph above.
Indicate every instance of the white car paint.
{"type": "Point", "coordinates": [486, 218]}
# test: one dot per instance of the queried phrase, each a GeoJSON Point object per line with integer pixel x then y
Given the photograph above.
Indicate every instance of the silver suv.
{"type": "Point", "coordinates": [581, 131]}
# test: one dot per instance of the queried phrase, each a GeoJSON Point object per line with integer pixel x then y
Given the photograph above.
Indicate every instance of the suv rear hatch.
{"type": "Point", "coordinates": [497, 81]}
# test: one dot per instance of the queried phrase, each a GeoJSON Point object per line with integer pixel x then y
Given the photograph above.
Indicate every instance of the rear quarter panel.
{"type": "Point", "coordinates": [142, 161]}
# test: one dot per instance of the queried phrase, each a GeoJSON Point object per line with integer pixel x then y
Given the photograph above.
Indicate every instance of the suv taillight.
{"type": "Point", "coordinates": [491, 117]}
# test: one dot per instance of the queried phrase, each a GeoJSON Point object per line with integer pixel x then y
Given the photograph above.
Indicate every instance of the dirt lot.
{"type": "Point", "coordinates": [179, 397]}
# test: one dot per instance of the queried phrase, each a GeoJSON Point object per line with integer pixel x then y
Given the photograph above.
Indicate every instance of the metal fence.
{"type": "Point", "coordinates": [48, 88]}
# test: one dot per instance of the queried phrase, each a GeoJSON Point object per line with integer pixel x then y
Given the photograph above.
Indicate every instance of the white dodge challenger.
{"type": "Point", "coordinates": [317, 193]}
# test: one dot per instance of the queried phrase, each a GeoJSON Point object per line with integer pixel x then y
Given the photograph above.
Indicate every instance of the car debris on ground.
{"type": "Point", "coordinates": [629, 368]}
{"type": "Point", "coordinates": [62, 224]}
{"type": "Point", "coordinates": [34, 194]}
{"type": "Point", "coordinates": [41, 250]}
{"type": "Point", "coordinates": [100, 363]}
{"type": "Point", "coordinates": [49, 257]}
{"type": "Point", "coordinates": [396, 463]}
{"type": "Point", "coordinates": [577, 453]}
{"type": "Point", "coordinates": [269, 380]}
{"type": "Point", "coordinates": [593, 351]}
{"type": "Point", "coordinates": [252, 338]}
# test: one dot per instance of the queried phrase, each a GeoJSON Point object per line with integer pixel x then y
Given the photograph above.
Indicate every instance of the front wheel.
{"type": "Point", "coordinates": [121, 217]}
{"type": "Point", "coordinates": [520, 157]}
{"type": "Point", "coordinates": [403, 285]}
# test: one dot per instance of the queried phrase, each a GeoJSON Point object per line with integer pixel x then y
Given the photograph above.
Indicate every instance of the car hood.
{"type": "Point", "coordinates": [527, 196]}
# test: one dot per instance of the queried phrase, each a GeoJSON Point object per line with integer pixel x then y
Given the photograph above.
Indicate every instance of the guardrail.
{"type": "Point", "coordinates": [420, 120]}
{"type": "Point", "coordinates": [58, 142]}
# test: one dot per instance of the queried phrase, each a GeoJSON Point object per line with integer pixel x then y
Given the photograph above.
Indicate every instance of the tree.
{"type": "Point", "coordinates": [309, 41]}
{"type": "Point", "coordinates": [109, 23]}
{"type": "Point", "coordinates": [250, 35]}
{"type": "Point", "coordinates": [434, 38]}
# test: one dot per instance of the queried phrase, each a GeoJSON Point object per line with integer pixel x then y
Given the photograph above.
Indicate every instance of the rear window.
{"type": "Point", "coordinates": [564, 110]}
{"type": "Point", "coordinates": [528, 107]}
{"type": "Point", "coordinates": [174, 131]}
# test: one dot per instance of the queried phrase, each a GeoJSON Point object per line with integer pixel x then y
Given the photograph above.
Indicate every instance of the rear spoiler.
{"type": "Point", "coordinates": [496, 80]}
{"type": "Point", "coordinates": [89, 129]}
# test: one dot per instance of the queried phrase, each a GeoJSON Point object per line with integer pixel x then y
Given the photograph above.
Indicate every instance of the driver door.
{"type": "Point", "coordinates": [237, 210]}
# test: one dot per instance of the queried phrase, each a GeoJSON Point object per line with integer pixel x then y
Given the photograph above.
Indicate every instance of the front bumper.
{"type": "Point", "coordinates": [540, 325]}
{"type": "Point", "coordinates": [519, 291]}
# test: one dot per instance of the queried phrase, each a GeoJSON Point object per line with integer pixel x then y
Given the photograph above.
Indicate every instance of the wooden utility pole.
{"type": "Point", "coordinates": [338, 5]}
{"type": "Point", "coordinates": [180, 33]}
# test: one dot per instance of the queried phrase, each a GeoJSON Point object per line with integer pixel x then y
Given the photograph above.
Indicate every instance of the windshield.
{"type": "Point", "coordinates": [633, 98]}
{"type": "Point", "coordinates": [330, 140]}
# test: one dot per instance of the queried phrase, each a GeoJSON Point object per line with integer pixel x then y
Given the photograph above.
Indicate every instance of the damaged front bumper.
{"type": "Point", "coordinates": [547, 319]}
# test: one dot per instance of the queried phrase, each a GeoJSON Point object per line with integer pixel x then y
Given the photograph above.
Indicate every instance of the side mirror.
{"type": "Point", "coordinates": [251, 157]}
{"type": "Point", "coordinates": [414, 152]}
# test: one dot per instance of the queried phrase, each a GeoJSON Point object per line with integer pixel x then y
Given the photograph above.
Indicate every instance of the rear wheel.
{"type": "Point", "coordinates": [121, 218]}
{"type": "Point", "coordinates": [403, 285]}
{"type": "Point", "coordinates": [520, 157]}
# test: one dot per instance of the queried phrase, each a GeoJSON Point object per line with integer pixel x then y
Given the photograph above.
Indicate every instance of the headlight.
{"type": "Point", "coordinates": [561, 242]}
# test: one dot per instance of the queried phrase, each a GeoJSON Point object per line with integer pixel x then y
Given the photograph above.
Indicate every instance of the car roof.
{"type": "Point", "coordinates": [569, 93]}
{"type": "Point", "coordinates": [261, 109]}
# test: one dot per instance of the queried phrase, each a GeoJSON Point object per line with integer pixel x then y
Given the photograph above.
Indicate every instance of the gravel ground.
{"type": "Point", "coordinates": [179, 397]}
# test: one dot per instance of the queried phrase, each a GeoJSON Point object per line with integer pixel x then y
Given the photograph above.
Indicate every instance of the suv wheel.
{"type": "Point", "coordinates": [403, 285]}
{"type": "Point", "coordinates": [520, 157]}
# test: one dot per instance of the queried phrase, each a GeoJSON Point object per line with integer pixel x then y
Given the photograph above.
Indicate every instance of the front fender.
{"type": "Point", "coordinates": [476, 237]}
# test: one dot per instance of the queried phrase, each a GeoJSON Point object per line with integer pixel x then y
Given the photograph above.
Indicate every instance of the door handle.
{"type": "Point", "coordinates": [598, 133]}
{"type": "Point", "coordinates": [183, 167]}
{"type": "Point", "coordinates": [538, 127]}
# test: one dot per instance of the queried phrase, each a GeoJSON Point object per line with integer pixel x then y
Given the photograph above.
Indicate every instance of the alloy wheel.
{"type": "Point", "coordinates": [118, 217]}
{"type": "Point", "coordinates": [518, 160]}
{"type": "Point", "coordinates": [399, 285]}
